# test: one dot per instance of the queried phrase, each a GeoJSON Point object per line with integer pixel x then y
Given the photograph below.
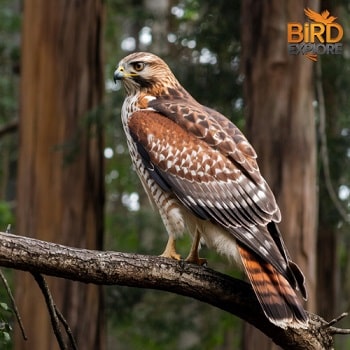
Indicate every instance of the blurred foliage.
{"type": "Point", "coordinates": [336, 86]}
{"type": "Point", "coordinates": [6, 312]}
{"type": "Point", "coordinates": [6, 215]}
{"type": "Point", "coordinates": [9, 92]}
{"type": "Point", "coordinates": [158, 320]}
{"type": "Point", "coordinates": [5, 327]}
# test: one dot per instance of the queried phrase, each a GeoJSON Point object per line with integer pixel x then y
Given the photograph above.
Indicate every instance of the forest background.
{"type": "Point", "coordinates": [218, 51]}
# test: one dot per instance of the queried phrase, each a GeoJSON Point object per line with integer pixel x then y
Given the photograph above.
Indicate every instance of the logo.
{"type": "Point", "coordinates": [321, 35]}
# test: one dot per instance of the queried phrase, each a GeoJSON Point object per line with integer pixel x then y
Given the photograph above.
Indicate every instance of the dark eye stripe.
{"type": "Point", "coordinates": [146, 83]}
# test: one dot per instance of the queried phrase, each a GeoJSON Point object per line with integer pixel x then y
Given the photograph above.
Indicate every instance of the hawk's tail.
{"type": "Point", "coordinates": [275, 294]}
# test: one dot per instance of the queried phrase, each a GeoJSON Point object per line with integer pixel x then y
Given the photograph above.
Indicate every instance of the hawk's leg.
{"type": "Point", "coordinates": [193, 256]}
{"type": "Point", "coordinates": [170, 250]}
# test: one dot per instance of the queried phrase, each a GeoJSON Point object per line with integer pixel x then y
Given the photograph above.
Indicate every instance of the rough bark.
{"type": "Point", "coordinates": [278, 93]}
{"type": "Point", "coordinates": [201, 283]}
{"type": "Point", "coordinates": [60, 177]}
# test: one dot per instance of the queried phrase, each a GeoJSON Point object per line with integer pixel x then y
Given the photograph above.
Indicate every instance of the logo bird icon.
{"type": "Point", "coordinates": [322, 17]}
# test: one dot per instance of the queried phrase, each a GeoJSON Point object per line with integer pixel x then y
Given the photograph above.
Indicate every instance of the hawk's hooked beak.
{"type": "Point", "coordinates": [119, 74]}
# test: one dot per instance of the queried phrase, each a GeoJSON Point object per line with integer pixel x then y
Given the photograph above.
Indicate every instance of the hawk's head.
{"type": "Point", "coordinates": [145, 71]}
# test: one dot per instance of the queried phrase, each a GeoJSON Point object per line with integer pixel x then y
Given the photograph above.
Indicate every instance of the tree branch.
{"type": "Point", "coordinates": [51, 308]}
{"type": "Point", "coordinates": [133, 270]}
{"type": "Point", "coordinates": [10, 127]}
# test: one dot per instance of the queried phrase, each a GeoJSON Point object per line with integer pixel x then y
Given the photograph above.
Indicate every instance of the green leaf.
{"type": "Point", "coordinates": [6, 336]}
{"type": "Point", "coordinates": [4, 306]}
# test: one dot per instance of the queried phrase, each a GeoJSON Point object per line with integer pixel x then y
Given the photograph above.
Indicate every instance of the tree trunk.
{"type": "Point", "coordinates": [60, 174]}
{"type": "Point", "coordinates": [281, 126]}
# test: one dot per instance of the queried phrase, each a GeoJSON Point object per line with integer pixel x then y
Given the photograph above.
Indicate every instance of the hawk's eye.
{"type": "Point", "coordinates": [138, 66]}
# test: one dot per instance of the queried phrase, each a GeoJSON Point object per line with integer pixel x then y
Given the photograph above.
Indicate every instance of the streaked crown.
{"type": "Point", "coordinates": [147, 72]}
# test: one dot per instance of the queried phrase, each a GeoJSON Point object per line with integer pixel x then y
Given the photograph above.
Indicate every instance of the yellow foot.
{"type": "Point", "coordinates": [170, 250]}
{"type": "Point", "coordinates": [193, 257]}
{"type": "Point", "coordinates": [170, 255]}
{"type": "Point", "coordinates": [196, 260]}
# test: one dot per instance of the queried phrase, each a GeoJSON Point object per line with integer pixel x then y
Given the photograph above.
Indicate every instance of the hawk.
{"type": "Point", "coordinates": [200, 172]}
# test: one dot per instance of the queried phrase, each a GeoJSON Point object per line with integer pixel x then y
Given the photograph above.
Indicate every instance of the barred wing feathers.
{"type": "Point", "coordinates": [207, 182]}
